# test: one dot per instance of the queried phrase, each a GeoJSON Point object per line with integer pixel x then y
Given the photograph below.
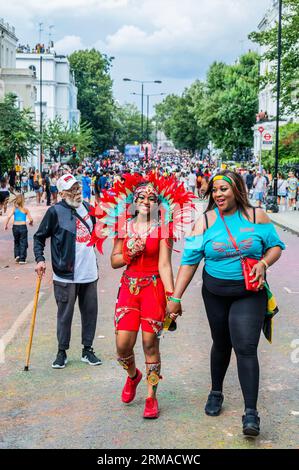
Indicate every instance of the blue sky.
{"type": "Point", "coordinates": [170, 40]}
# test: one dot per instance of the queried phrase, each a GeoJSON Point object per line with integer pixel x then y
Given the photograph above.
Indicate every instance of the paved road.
{"type": "Point", "coordinates": [79, 407]}
{"type": "Point", "coordinates": [16, 280]}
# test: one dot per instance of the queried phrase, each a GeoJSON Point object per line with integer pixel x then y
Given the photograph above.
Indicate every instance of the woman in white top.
{"type": "Point", "coordinates": [281, 189]}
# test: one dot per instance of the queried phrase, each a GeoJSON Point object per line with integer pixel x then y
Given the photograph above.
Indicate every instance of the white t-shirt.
{"type": "Point", "coordinates": [260, 184]}
{"type": "Point", "coordinates": [86, 269]}
{"type": "Point", "coordinates": [282, 186]}
{"type": "Point", "coordinates": [192, 179]}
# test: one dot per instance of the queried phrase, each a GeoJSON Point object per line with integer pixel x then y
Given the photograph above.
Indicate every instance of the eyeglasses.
{"type": "Point", "coordinates": [74, 191]}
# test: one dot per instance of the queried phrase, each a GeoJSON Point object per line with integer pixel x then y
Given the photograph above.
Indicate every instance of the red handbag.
{"type": "Point", "coordinates": [247, 263]}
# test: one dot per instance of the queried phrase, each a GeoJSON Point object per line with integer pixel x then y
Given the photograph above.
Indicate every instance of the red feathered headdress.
{"type": "Point", "coordinates": [113, 211]}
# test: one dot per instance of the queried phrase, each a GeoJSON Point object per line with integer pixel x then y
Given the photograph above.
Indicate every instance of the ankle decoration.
{"type": "Point", "coordinates": [153, 373]}
{"type": "Point", "coordinates": [126, 362]}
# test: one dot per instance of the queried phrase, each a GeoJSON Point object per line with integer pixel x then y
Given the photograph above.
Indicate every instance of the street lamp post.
{"type": "Point", "coordinates": [142, 94]}
{"type": "Point", "coordinates": [41, 111]}
{"type": "Point", "coordinates": [278, 96]}
{"type": "Point", "coordinates": [142, 91]}
{"type": "Point", "coordinates": [147, 109]}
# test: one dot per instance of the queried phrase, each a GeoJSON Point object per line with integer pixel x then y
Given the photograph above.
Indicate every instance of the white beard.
{"type": "Point", "coordinates": [71, 202]}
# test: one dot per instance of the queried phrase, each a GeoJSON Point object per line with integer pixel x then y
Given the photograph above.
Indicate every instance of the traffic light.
{"type": "Point", "coordinates": [61, 151]}
{"type": "Point", "coordinates": [74, 151]}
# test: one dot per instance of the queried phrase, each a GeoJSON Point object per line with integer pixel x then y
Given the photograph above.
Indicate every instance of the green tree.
{"type": "Point", "coordinates": [52, 130]}
{"type": "Point", "coordinates": [164, 113]}
{"type": "Point", "coordinates": [178, 118]}
{"type": "Point", "coordinates": [59, 134]}
{"type": "Point", "coordinates": [18, 134]}
{"type": "Point", "coordinates": [290, 56]}
{"type": "Point", "coordinates": [231, 101]}
{"type": "Point", "coordinates": [288, 148]}
{"type": "Point", "coordinates": [95, 99]}
{"type": "Point", "coordinates": [127, 127]}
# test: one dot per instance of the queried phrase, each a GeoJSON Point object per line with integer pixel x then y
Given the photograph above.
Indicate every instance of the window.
{"type": "Point", "coordinates": [33, 68]}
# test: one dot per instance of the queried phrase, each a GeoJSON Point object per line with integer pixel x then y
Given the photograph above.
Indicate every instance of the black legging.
{"type": "Point", "coordinates": [236, 321]}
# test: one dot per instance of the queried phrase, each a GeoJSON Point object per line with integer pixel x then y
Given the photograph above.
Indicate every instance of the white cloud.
{"type": "Point", "coordinates": [174, 40]}
{"type": "Point", "coordinates": [188, 26]}
{"type": "Point", "coordinates": [39, 7]}
{"type": "Point", "coordinates": [69, 44]}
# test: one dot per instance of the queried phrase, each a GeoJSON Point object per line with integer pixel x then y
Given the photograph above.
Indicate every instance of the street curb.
{"type": "Point", "coordinates": [285, 227]}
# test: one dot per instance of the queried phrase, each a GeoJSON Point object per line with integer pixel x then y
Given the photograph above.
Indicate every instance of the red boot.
{"type": "Point", "coordinates": [129, 390]}
{"type": "Point", "coordinates": [151, 409]}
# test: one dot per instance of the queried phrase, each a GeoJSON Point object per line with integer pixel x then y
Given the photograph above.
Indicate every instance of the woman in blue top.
{"type": "Point", "coordinates": [19, 228]}
{"type": "Point", "coordinates": [235, 314]}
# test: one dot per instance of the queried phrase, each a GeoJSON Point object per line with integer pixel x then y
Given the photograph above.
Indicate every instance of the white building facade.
{"type": "Point", "coordinates": [267, 98]}
{"type": "Point", "coordinates": [55, 85]}
{"type": "Point", "coordinates": [8, 43]}
{"type": "Point", "coordinates": [19, 82]}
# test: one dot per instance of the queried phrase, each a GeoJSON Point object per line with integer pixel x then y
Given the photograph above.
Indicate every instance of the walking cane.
{"type": "Point", "coordinates": [28, 350]}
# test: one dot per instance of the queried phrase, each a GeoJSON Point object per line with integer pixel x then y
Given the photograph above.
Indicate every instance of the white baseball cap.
{"type": "Point", "coordinates": [65, 182]}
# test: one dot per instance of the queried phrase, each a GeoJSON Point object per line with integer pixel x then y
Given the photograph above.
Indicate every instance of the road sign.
{"type": "Point", "coordinates": [267, 141]}
{"type": "Point", "coordinates": [261, 129]}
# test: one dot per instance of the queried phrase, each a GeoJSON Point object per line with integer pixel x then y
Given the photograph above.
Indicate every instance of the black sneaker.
{"type": "Point", "coordinates": [251, 422]}
{"type": "Point", "coordinates": [61, 360]}
{"type": "Point", "coordinates": [214, 403]}
{"type": "Point", "coordinates": [89, 356]}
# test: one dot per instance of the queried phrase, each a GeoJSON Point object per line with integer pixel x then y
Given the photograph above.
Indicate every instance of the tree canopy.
{"type": "Point", "coordinates": [18, 133]}
{"type": "Point", "coordinates": [58, 134]}
{"type": "Point", "coordinates": [95, 99]}
{"type": "Point", "coordinates": [127, 125]}
{"type": "Point", "coordinates": [222, 108]}
{"type": "Point", "coordinates": [289, 59]}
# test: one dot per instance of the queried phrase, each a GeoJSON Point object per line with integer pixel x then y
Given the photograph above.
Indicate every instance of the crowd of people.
{"type": "Point", "coordinates": [98, 174]}
{"type": "Point", "coordinates": [37, 49]}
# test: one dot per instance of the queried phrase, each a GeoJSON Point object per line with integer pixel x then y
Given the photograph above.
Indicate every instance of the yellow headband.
{"type": "Point", "coordinates": [223, 177]}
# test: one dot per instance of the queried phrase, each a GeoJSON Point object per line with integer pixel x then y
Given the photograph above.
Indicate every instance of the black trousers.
{"type": "Point", "coordinates": [20, 234]}
{"type": "Point", "coordinates": [48, 196]}
{"type": "Point", "coordinates": [236, 318]}
{"type": "Point", "coordinates": [66, 295]}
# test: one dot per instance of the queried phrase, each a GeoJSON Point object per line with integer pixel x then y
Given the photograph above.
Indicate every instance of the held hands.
{"type": "Point", "coordinates": [174, 309]}
{"type": "Point", "coordinates": [135, 246]}
{"type": "Point", "coordinates": [40, 268]}
{"type": "Point", "coordinates": [258, 271]}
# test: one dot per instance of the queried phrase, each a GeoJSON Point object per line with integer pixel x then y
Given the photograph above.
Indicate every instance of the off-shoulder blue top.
{"type": "Point", "coordinates": [221, 258]}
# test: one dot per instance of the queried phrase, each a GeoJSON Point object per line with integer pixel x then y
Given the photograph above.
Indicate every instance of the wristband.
{"type": "Point", "coordinates": [174, 299]}
{"type": "Point", "coordinates": [265, 263]}
{"type": "Point", "coordinates": [125, 253]}
{"type": "Point", "coordinates": [168, 294]}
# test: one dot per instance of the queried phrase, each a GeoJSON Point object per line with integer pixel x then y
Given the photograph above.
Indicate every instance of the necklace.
{"type": "Point", "coordinates": [132, 232]}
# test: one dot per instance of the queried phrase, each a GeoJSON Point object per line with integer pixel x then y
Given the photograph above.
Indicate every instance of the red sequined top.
{"type": "Point", "coordinates": [148, 261]}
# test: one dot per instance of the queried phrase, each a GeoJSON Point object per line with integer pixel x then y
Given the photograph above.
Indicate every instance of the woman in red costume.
{"type": "Point", "coordinates": [143, 244]}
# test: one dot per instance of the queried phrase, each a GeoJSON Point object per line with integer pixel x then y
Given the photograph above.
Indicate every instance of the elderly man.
{"type": "Point", "coordinates": [74, 264]}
